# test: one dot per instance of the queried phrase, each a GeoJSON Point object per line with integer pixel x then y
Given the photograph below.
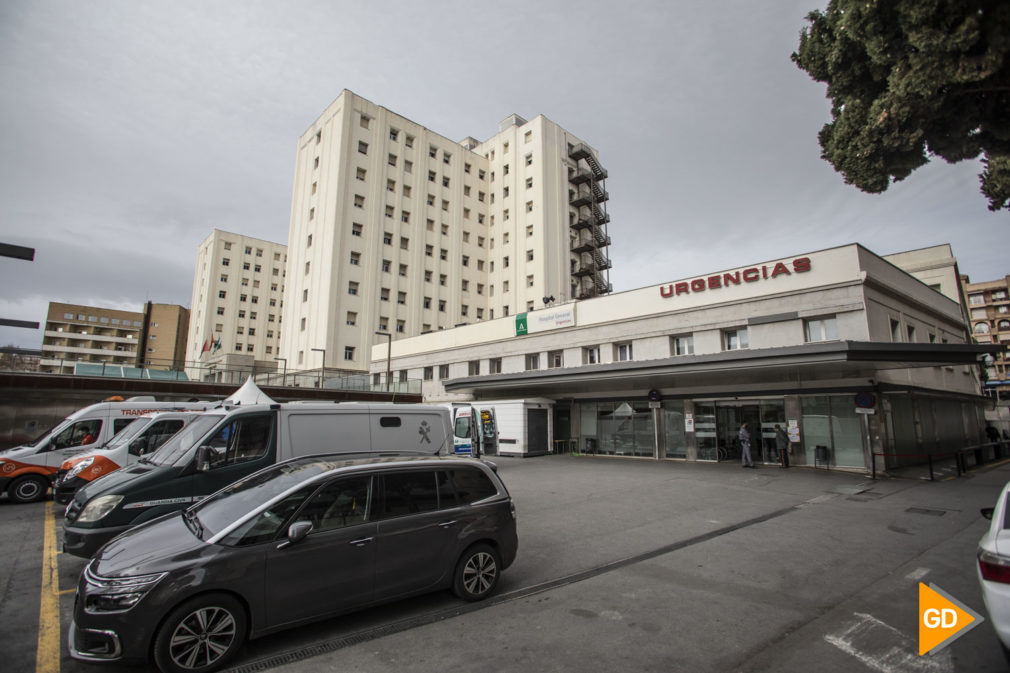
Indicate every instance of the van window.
{"type": "Point", "coordinates": [407, 493]}
{"type": "Point", "coordinates": [472, 485]}
{"type": "Point", "coordinates": [155, 436]}
{"type": "Point", "coordinates": [389, 421]}
{"type": "Point", "coordinates": [120, 423]}
{"type": "Point", "coordinates": [244, 439]}
{"type": "Point", "coordinates": [77, 434]}
{"type": "Point", "coordinates": [462, 426]}
{"type": "Point", "coordinates": [340, 503]}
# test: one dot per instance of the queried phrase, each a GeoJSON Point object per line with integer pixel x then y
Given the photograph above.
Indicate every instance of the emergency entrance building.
{"type": "Point", "coordinates": [848, 352]}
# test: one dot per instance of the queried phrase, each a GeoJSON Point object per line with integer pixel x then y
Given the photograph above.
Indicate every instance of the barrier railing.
{"type": "Point", "coordinates": [978, 451]}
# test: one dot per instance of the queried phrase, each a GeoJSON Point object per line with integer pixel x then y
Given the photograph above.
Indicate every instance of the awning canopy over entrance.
{"type": "Point", "coordinates": [787, 368]}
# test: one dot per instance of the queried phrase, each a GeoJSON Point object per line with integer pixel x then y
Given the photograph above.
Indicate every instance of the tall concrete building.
{"type": "Point", "coordinates": [164, 336]}
{"type": "Point", "coordinates": [400, 230]}
{"type": "Point", "coordinates": [989, 316]}
{"type": "Point", "coordinates": [235, 314]}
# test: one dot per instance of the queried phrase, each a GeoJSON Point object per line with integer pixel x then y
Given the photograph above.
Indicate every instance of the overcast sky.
{"type": "Point", "coordinates": [130, 129]}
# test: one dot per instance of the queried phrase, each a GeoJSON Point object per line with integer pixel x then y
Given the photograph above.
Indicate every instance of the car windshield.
{"type": "Point", "coordinates": [180, 444]}
{"type": "Point", "coordinates": [127, 433]}
{"type": "Point", "coordinates": [247, 495]}
{"type": "Point", "coordinates": [46, 433]}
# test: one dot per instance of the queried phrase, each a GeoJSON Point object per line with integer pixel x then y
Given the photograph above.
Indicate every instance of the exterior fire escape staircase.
{"type": "Point", "coordinates": [590, 238]}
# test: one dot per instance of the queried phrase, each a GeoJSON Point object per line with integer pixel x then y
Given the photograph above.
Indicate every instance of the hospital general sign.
{"type": "Point", "coordinates": [545, 320]}
{"type": "Point", "coordinates": [753, 274]}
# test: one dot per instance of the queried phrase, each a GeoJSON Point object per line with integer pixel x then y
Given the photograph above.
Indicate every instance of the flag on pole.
{"type": "Point", "coordinates": [206, 346]}
{"type": "Point", "coordinates": [217, 346]}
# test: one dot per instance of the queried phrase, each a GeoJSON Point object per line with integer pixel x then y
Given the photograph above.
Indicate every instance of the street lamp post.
{"type": "Point", "coordinates": [284, 376]}
{"type": "Point", "coordinates": [323, 368]}
{"type": "Point", "coordinates": [389, 353]}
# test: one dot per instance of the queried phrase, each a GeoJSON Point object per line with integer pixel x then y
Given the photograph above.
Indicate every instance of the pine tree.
{"type": "Point", "coordinates": [910, 80]}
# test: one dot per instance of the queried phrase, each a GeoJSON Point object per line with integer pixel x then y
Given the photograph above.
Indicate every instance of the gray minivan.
{"type": "Point", "coordinates": [299, 541]}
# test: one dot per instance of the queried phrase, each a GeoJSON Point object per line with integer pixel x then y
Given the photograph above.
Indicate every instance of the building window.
{"type": "Point", "coordinates": [981, 328]}
{"type": "Point", "coordinates": [221, 294]}
{"type": "Point", "coordinates": [391, 160]}
{"type": "Point", "coordinates": [555, 359]}
{"type": "Point", "coordinates": [401, 326]}
{"type": "Point", "coordinates": [387, 239]}
{"type": "Point", "coordinates": [735, 339]}
{"type": "Point", "coordinates": [443, 372]}
{"type": "Point", "coordinates": [529, 281]}
{"type": "Point", "coordinates": [976, 299]}
{"type": "Point", "coordinates": [356, 229]}
{"type": "Point", "coordinates": [403, 270]}
{"type": "Point", "coordinates": [473, 368]}
{"type": "Point", "coordinates": [683, 345]}
{"type": "Point", "coordinates": [494, 366]}
{"type": "Point", "coordinates": [352, 318]}
{"type": "Point", "coordinates": [364, 121]}
{"type": "Point", "coordinates": [532, 361]}
{"type": "Point", "coordinates": [352, 288]}
{"type": "Point", "coordinates": [821, 329]}
{"type": "Point", "coordinates": [384, 294]}
{"type": "Point", "coordinates": [393, 134]}
{"type": "Point", "coordinates": [429, 373]}
{"type": "Point", "coordinates": [529, 255]}
{"type": "Point", "coordinates": [359, 201]}
{"type": "Point", "coordinates": [362, 147]}
{"type": "Point", "coordinates": [225, 261]}
{"type": "Point", "coordinates": [401, 297]}
{"type": "Point", "coordinates": [408, 140]}
{"type": "Point", "coordinates": [895, 330]}
{"type": "Point", "coordinates": [348, 352]}
{"type": "Point", "coordinates": [624, 352]}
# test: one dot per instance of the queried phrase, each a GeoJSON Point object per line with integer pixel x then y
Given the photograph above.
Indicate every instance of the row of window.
{"type": "Point", "coordinates": [101, 320]}
{"type": "Point", "coordinates": [255, 268]}
{"type": "Point", "coordinates": [249, 251]}
{"type": "Point", "coordinates": [978, 299]}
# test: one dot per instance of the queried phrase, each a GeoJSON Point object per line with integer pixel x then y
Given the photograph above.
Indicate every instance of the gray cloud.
{"type": "Point", "coordinates": [133, 129]}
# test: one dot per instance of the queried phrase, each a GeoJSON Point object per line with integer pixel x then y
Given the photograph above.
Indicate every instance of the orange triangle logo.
{"type": "Point", "coordinates": [942, 619]}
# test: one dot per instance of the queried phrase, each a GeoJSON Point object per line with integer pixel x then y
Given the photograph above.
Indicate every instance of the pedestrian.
{"type": "Point", "coordinates": [782, 444]}
{"type": "Point", "coordinates": [745, 459]}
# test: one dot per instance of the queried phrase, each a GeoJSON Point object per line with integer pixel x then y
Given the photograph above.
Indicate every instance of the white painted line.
{"type": "Point", "coordinates": [883, 648]}
{"type": "Point", "coordinates": [917, 574]}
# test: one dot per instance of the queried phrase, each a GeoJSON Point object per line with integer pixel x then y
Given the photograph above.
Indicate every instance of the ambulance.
{"type": "Point", "coordinates": [27, 471]}
{"type": "Point", "coordinates": [140, 438]}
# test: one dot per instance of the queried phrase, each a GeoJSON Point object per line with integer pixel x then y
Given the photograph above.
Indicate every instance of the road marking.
{"type": "Point", "coordinates": [883, 648]}
{"type": "Point", "coordinates": [917, 574]}
{"type": "Point", "coordinates": [47, 653]}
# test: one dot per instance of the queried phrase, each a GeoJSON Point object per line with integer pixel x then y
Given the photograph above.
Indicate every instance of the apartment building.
{"type": "Point", "coordinates": [154, 338]}
{"type": "Point", "coordinates": [989, 316]}
{"type": "Point", "coordinates": [235, 314]}
{"type": "Point", "coordinates": [399, 230]}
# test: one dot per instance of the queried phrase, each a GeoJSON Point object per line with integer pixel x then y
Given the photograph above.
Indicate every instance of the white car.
{"type": "Point", "coordinates": [994, 568]}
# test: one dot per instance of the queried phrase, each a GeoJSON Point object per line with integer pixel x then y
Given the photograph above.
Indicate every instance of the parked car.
{"type": "Point", "coordinates": [299, 541]}
{"type": "Point", "coordinates": [994, 568]}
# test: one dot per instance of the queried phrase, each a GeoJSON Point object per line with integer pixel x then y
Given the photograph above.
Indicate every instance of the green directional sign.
{"type": "Point", "coordinates": [521, 324]}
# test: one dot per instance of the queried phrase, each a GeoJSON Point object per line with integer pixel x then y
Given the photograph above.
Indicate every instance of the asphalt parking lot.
{"type": "Point", "coordinates": [631, 565]}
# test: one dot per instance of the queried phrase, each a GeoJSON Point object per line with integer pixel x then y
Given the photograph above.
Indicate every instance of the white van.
{"type": "Point", "coordinates": [141, 437]}
{"type": "Point", "coordinates": [223, 445]}
{"type": "Point", "coordinates": [26, 471]}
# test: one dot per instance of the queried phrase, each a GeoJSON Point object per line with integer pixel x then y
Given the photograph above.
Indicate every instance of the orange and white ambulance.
{"type": "Point", "coordinates": [26, 471]}
{"type": "Point", "coordinates": [140, 438]}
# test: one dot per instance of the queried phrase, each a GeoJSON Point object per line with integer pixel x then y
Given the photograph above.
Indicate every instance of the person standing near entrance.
{"type": "Point", "coordinates": [782, 444]}
{"type": "Point", "coordinates": [745, 458]}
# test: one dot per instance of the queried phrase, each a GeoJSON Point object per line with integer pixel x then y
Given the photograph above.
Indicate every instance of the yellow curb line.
{"type": "Point", "coordinates": [47, 653]}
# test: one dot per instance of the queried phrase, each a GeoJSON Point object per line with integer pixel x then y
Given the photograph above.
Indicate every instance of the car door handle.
{"type": "Point", "coordinates": [446, 524]}
{"type": "Point", "coordinates": [361, 542]}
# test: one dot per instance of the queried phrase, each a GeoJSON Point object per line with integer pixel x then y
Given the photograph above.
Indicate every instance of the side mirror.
{"type": "Point", "coordinates": [296, 533]}
{"type": "Point", "coordinates": [203, 457]}
{"type": "Point", "coordinates": [987, 512]}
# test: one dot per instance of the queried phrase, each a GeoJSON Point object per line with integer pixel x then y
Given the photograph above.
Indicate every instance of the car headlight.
{"type": "Point", "coordinates": [79, 467]}
{"type": "Point", "coordinates": [99, 507]}
{"type": "Point", "coordinates": [116, 594]}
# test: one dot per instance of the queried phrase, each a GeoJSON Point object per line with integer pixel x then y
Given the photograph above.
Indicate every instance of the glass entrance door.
{"type": "Point", "coordinates": [760, 416]}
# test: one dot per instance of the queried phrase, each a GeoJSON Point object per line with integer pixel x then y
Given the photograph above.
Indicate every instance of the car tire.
{"type": "Point", "coordinates": [29, 488]}
{"type": "Point", "coordinates": [477, 573]}
{"type": "Point", "coordinates": [201, 635]}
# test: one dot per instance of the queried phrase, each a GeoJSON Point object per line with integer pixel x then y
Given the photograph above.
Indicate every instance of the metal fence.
{"type": "Point", "coordinates": [264, 375]}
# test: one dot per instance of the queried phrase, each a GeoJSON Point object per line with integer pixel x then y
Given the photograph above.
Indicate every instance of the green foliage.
{"type": "Point", "coordinates": [910, 80]}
